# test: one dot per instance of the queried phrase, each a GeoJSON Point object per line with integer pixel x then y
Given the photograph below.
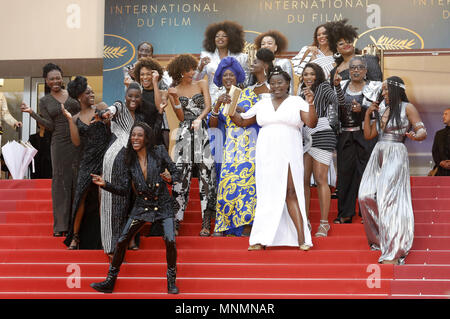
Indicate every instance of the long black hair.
{"type": "Point", "coordinates": [397, 95]}
{"type": "Point", "coordinates": [320, 75]}
{"type": "Point", "coordinates": [149, 140]}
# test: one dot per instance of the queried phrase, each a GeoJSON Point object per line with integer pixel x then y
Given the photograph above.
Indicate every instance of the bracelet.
{"type": "Point", "coordinates": [214, 113]}
{"type": "Point", "coordinates": [178, 106]}
{"type": "Point", "coordinates": [420, 132]}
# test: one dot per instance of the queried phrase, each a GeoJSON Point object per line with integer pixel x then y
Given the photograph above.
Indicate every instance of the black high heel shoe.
{"type": "Point", "coordinates": [343, 220]}
{"type": "Point", "coordinates": [59, 234]}
{"type": "Point", "coordinates": [75, 244]}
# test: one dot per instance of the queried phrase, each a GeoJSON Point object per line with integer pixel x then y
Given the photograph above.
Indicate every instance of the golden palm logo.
{"type": "Point", "coordinates": [391, 43]}
{"type": "Point", "coordinates": [117, 52]}
{"type": "Point", "coordinates": [390, 38]}
{"type": "Point", "coordinates": [113, 52]}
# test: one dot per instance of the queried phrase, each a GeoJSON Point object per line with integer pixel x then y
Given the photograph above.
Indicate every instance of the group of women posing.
{"type": "Point", "coordinates": [254, 165]}
{"type": "Point", "coordinates": [263, 168]}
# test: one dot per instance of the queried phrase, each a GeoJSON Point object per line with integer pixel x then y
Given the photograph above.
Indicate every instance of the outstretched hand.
{"type": "Point", "coordinates": [25, 108]}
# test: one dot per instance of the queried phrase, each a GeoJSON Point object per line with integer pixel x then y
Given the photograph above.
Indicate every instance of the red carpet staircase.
{"type": "Point", "coordinates": [33, 264]}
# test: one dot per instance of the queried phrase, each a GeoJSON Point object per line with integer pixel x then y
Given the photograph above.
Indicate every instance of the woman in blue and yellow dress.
{"type": "Point", "coordinates": [236, 192]}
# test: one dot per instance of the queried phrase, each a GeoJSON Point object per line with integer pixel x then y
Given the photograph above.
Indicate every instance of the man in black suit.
{"type": "Point", "coordinates": [441, 147]}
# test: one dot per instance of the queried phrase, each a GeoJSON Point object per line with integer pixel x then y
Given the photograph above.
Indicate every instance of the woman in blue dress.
{"type": "Point", "coordinates": [236, 193]}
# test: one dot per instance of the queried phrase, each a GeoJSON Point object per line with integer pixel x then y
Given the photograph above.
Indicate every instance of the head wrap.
{"type": "Point", "coordinates": [229, 63]}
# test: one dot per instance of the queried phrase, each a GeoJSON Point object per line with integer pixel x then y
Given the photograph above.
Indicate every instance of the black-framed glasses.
{"type": "Point", "coordinates": [357, 67]}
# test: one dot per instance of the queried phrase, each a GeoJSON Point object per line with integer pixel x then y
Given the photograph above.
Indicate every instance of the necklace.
{"type": "Point", "coordinates": [257, 85]}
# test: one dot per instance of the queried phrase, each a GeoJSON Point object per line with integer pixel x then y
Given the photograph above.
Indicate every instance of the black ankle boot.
{"type": "Point", "coordinates": [171, 277]}
{"type": "Point", "coordinates": [107, 286]}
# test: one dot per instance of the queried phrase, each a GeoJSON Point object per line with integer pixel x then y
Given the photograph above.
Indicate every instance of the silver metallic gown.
{"type": "Point", "coordinates": [385, 193]}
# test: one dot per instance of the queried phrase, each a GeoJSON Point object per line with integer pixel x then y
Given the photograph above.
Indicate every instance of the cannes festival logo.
{"type": "Point", "coordinates": [117, 52]}
{"type": "Point", "coordinates": [390, 38]}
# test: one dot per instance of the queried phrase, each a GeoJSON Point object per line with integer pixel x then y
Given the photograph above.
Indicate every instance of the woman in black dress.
{"type": "Point", "coordinates": [65, 155]}
{"type": "Point", "coordinates": [93, 136]}
{"type": "Point", "coordinates": [145, 164]}
{"type": "Point", "coordinates": [148, 72]}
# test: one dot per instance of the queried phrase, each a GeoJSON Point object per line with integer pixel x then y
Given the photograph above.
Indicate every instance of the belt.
{"type": "Point", "coordinates": [387, 137]}
{"type": "Point", "coordinates": [351, 129]}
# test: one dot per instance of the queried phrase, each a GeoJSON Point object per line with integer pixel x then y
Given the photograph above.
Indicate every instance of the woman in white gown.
{"type": "Point", "coordinates": [280, 217]}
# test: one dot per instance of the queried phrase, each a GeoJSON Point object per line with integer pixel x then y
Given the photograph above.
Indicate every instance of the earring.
{"type": "Point", "coordinates": [337, 55]}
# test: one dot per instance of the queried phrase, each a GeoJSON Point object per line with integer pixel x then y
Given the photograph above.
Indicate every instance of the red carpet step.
{"type": "Point", "coordinates": [33, 264]}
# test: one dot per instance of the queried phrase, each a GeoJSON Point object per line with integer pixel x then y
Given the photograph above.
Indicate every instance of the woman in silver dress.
{"type": "Point", "coordinates": [385, 190]}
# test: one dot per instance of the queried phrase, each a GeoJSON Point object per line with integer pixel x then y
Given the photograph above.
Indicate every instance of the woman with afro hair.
{"type": "Point", "coordinates": [341, 37]}
{"type": "Point", "coordinates": [276, 42]}
{"type": "Point", "coordinates": [222, 39]}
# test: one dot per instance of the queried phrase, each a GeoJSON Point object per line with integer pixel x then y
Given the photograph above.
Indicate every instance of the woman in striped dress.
{"type": "Point", "coordinates": [319, 52]}
{"type": "Point", "coordinates": [114, 209]}
{"type": "Point", "coordinates": [322, 140]}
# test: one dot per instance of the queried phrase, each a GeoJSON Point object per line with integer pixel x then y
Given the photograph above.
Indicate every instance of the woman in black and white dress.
{"type": "Point", "coordinates": [322, 140]}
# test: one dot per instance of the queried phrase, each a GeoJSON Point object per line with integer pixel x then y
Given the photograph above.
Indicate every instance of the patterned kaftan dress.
{"type": "Point", "coordinates": [236, 193]}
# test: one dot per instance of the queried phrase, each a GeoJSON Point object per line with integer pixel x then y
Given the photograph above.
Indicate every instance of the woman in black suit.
{"type": "Point", "coordinates": [145, 162]}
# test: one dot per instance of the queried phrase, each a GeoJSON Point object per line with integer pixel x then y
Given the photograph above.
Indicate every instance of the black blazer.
{"type": "Point", "coordinates": [153, 200]}
{"type": "Point", "coordinates": [441, 150]}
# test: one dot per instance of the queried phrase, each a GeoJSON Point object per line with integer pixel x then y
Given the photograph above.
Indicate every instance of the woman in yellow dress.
{"type": "Point", "coordinates": [236, 193]}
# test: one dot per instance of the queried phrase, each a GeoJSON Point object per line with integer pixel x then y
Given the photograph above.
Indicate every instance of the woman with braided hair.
{"type": "Point", "coordinates": [385, 190]}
